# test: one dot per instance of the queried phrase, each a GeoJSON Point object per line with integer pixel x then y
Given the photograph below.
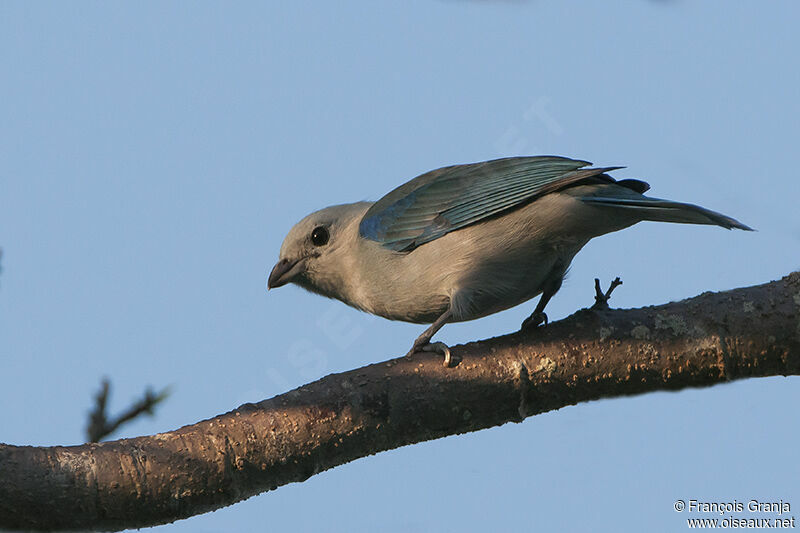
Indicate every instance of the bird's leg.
{"type": "Point", "coordinates": [424, 344]}
{"type": "Point", "coordinates": [550, 287]}
{"type": "Point", "coordinates": [538, 316]}
{"type": "Point", "coordinates": [600, 298]}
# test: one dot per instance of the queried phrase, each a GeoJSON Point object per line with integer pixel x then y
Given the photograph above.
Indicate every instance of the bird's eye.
{"type": "Point", "coordinates": [320, 236]}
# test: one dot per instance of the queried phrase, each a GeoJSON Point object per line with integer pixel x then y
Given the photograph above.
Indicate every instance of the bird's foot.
{"type": "Point", "coordinates": [436, 347]}
{"type": "Point", "coordinates": [440, 348]}
{"type": "Point", "coordinates": [536, 319]}
{"type": "Point", "coordinates": [601, 298]}
{"type": "Point", "coordinates": [416, 347]}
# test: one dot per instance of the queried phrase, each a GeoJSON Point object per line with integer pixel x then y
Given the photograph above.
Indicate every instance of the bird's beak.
{"type": "Point", "coordinates": [284, 271]}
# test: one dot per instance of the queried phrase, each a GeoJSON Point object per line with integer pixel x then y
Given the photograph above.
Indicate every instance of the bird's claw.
{"type": "Point", "coordinates": [440, 348]}
{"type": "Point", "coordinates": [436, 347]}
{"type": "Point", "coordinates": [535, 320]}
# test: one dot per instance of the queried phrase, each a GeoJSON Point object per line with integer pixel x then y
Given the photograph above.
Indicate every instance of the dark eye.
{"type": "Point", "coordinates": [320, 236]}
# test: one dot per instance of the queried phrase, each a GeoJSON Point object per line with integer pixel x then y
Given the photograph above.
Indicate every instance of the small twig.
{"type": "Point", "coordinates": [600, 298]}
{"type": "Point", "coordinates": [100, 426]}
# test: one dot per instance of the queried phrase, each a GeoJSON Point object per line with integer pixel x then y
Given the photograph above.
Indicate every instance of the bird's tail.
{"type": "Point", "coordinates": [667, 211]}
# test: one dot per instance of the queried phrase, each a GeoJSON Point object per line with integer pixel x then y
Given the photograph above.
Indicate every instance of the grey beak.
{"type": "Point", "coordinates": [283, 272]}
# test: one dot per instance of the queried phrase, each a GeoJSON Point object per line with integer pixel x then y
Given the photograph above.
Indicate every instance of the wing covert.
{"type": "Point", "coordinates": [437, 202]}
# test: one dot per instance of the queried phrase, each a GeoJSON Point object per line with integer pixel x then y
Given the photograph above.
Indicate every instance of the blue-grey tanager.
{"type": "Point", "coordinates": [466, 241]}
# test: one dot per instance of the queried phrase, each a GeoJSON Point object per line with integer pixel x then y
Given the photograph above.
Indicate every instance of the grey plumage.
{"type": "Point", "coordinates": [467, 241]}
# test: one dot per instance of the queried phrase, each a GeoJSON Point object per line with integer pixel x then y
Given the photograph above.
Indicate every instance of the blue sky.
{"type": "Point", "coordinates": [153, 156]}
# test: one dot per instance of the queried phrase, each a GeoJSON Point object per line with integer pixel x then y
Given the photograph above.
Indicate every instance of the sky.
{"type": "Point", "coordinates": [153, 156]}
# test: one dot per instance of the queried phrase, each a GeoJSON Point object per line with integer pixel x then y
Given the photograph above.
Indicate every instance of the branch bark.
{"type": "Point", "coordinates": [709, 339]}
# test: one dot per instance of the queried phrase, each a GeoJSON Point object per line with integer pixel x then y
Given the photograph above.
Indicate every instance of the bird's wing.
{"type": "Point", "coordinates": [443, 200]}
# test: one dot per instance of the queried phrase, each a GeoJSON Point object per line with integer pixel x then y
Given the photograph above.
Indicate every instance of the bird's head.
{"type": "Point", "coordinates": [318, 250]}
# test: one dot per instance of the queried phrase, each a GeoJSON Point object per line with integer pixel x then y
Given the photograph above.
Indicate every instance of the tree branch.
{"type": "Point", "coordinates": [712, 338]}
{"type": "Point", "coordinates": [101, 426]}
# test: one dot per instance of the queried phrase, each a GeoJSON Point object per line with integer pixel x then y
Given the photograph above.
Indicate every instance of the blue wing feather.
{"type": "Point", "coordinates": [443, 200]}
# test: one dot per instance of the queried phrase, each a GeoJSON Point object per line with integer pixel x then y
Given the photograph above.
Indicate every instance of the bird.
{"type": "Point", "coordinates": [466, 241]}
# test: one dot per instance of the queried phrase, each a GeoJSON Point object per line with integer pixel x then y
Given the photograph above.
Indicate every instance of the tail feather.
{"type": "Point", "coordinates": [667, 211]}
